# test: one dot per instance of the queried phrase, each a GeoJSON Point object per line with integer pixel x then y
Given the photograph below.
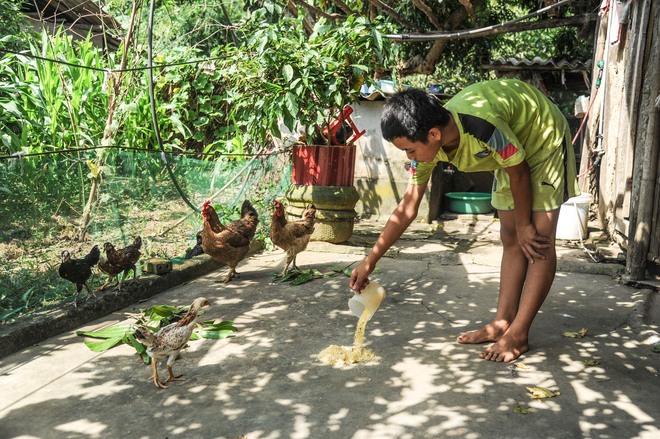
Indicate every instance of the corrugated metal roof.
{"type": "Point", "coordinates": [78, 16]}
{"type": "Point", "coordinates": [536, 63]}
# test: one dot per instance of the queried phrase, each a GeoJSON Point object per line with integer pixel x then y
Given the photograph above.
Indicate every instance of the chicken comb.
{"type": "Point", "coordinates": [206, 204]}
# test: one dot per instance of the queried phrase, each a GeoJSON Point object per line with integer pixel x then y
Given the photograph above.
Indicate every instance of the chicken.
{"type": "Point", "coordinates": [78, 271]}
{"type": "Point", "coordinates": [124, 259]}
{"type": "Point", "coordinates": [230, 243]}
{"type": "Point", "coordinates": [111, 269]}
{"type": "Point", "coordinates": [169, 340]}
{"type": "Point", "coordinates": [292, 236]}
{"type": "Point", "coordinates": [197, 249]}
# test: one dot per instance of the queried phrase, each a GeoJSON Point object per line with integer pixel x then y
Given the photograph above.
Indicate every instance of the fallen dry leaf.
{"type": "Point", "coordinates": [591, 362]}
{"type": "Point", "coordinates": [521, 365]}
{"type": "Point", "coordinates": [542, 392]}
{"type": "Point", "coordinates": [581, 333]}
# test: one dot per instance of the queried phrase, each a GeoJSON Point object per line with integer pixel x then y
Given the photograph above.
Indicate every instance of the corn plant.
{"type": "Point", "coordinates": [23, 107]}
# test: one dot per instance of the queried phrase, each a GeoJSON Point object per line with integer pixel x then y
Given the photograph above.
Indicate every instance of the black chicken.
{"type": "Point", "coordinates": [197, 249]}
{"type": "Point", "coordinates": [78, 271]}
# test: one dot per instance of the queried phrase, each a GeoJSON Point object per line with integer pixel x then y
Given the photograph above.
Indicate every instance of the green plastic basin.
{"type": "Point", "coordinates": [469, 202]}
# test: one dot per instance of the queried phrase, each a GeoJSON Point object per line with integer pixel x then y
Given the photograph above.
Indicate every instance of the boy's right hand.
{"type": "Point", "coordinates": [360, 277]}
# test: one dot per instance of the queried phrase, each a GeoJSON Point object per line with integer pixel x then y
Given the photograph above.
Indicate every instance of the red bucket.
{"type": "Point", "coordinates": [323, 165]}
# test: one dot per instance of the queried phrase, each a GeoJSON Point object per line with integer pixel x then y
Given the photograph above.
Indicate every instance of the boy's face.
{"type": "Point", "coordinates": [420, 151]}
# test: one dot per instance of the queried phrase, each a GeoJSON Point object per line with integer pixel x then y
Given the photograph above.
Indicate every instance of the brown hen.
{"type": "Point", "coordinates": [120, 261]}
{"type": "Point", "coordinates": [108, 268]}
{"type": "Point", "coordinates": [169, 340]}
{"type": "Point", "coordinates": [291, 236]}
{"type": "Point", "coordinates": [230, 243]}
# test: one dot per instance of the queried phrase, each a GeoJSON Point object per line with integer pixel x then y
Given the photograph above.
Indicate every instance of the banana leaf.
{"type": "Point", "coordinates": [109, 332]}
{"type": "Point", "coordinates": [101, 346]}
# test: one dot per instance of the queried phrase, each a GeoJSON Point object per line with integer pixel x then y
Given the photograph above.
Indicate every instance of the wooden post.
{"type": "Point", "coordinates": [646, 154]}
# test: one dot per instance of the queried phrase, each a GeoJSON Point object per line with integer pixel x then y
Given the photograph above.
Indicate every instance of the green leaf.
{"type": "Point", "coordinates": [215, 335]}
{"type": "Point", "coordinates": [291, 104]}
{"type": "Point", "coordinates": [287, 276]}
{"type": "Point", "coordinates": [303, 278]}
{"type": "Point", "coordinates": [520, 410]}
{"type": "Point", "coordinates": [100, 346]}
{"type": "Point", "coordinates": [130, 340]}
{"type": "Point", "coordinates": [224, 325]}
{"type": "Point", "coordinates": [272, 88]}
{"type": "Point", "coordinates": [110, 332]}
{"type": "Point", "coordinates": [287, 71]}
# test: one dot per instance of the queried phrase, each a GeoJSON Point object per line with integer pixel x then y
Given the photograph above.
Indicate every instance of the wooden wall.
{"type": "Point", "coordinates": [620, 151]}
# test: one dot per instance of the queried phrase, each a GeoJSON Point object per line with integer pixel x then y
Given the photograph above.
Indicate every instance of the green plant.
{"type": "Point", "coordinates": [279, 75]}
{"type": "Point", "coordinates": [12, 30]}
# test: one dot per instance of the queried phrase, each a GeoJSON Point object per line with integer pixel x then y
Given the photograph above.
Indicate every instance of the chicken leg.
{"type": "Point", "coordinates": [230, 275]}
{"type": "Point", "coordinates": [108, 282]}
{"type": "Point", "coordinates": [154, 377]}
{"type": "Point", "coordinates": [173, 377]}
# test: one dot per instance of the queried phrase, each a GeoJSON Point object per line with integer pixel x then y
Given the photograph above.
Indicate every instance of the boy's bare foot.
{"type": "Point", "coordinates": [490, 332]}
{"type": "Point", "coordinates": [506, 349]}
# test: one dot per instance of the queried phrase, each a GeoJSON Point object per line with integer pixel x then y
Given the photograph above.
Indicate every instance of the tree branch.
{"type": "Point", "coordinates": [497, 29]}
{"type": "Point", "coordinates": [392, 13]}
{"type": "Point", "coordinates": [308, 22]}
{"type": "Point", "coordinates": [316, 11]}
{"type": "Point", "coordinates": [344, 7]}
{"type": "Point", "coordinates": [428, 12]}
{"type": "Point", "coordinates": [426, 66]}
{"type": "Point", "coordinates": [470, 9]}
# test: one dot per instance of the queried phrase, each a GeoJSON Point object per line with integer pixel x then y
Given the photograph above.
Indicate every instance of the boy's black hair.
{"type": "Point", "coordinates": [411, 113]}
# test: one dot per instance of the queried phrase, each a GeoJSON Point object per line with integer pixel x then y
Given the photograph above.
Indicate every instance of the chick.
{"type": "Point", "coordinates": [168, 342]}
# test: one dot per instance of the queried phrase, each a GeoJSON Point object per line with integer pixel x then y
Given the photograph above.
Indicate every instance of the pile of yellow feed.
{"type": "Point", "coordinates": [344, 355]}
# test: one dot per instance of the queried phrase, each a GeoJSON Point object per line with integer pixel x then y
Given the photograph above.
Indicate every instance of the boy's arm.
{"type": "Point", "coordinates": [521, 189]}
{"type": "Point", "coordinates": [404, 214]}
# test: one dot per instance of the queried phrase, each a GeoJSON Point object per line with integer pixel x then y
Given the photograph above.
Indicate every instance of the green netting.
{"type": "Point", "coordinates": [42, 200]}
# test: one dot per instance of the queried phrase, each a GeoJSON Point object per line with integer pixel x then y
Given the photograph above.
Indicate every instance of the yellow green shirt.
{"type": "Point", "coordinates": [501, 123]}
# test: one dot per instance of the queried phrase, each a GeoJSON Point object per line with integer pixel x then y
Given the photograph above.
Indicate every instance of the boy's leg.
{"type": "Point", "coordinates": [513, 269]}
{"type": "Point", "coordinates": [517, 306]}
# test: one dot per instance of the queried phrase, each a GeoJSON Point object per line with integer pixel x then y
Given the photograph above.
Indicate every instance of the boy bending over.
{"type": "Point", "coordinates": [511, 128]}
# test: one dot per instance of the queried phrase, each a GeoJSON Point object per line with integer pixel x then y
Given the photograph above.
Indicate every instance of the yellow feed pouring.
{"type": "Point", "coordinates": [366, 303]}
{"type": "Point", "coordinates": [342, 355]}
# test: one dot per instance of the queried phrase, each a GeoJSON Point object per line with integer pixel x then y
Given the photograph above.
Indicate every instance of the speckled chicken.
{"type": "Point", "coordinates": [291, 236]}
{"type": "Point", "coordinates": [168, 342]}
{"type": "Point", "coordinates": [78, 271]}
{"type": "Point", "coordinates": [230, 243]}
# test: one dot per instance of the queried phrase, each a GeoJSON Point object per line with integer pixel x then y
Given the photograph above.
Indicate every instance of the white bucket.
{"type": "Point", "coordinates": [367, 300]}
{"type": "Point", "coordinates": [573, 216]}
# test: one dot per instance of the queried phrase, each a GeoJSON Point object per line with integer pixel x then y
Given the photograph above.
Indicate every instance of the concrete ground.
{"type": "Point", "coordinates": [265, 381]}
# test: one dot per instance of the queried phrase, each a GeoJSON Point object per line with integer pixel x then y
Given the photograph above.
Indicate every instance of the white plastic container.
{"type": "Point", "coordinates": [369, 299]}
{"type": "Point", "coordinates": [573, 216]}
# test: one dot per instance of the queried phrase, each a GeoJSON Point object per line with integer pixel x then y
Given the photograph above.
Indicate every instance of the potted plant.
{"type": "Point", "coordinates": [282, 76]}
